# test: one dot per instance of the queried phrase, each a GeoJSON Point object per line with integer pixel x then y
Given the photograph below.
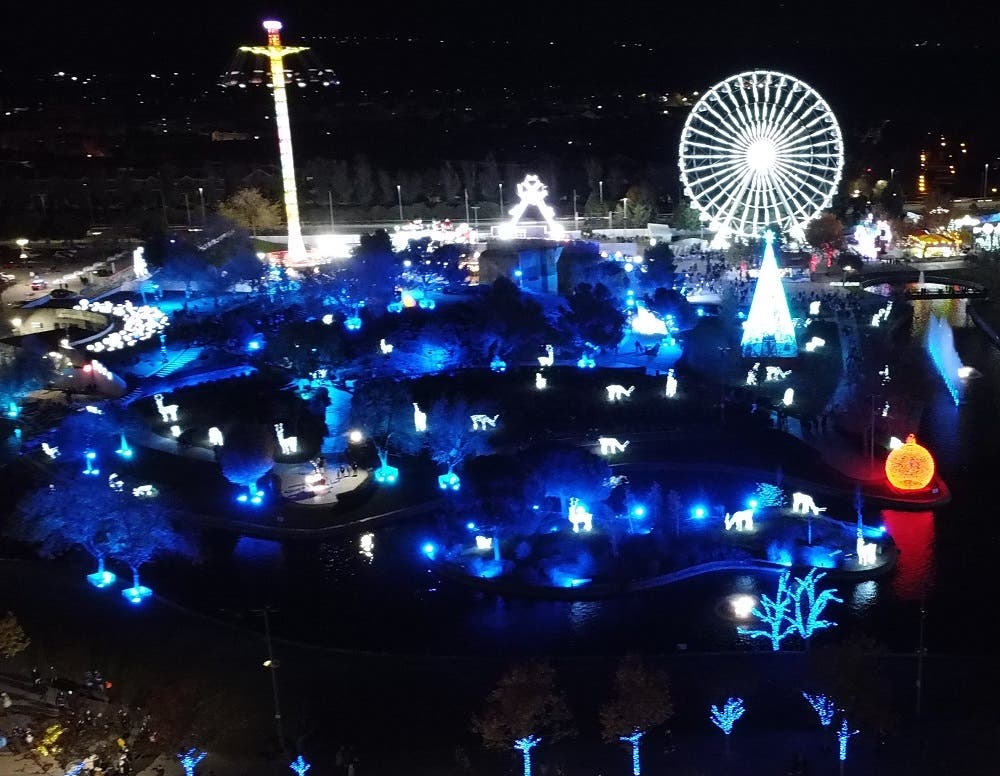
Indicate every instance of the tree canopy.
{"type": "Point", "coordinates": [640, 700]}
{"type": "Point", "coordinates": [248, 453]}
{"type": "Point", "coordinates": [525, 702]}
{"type": "Point", "coordinates": [594, 316]}
{"type": "Point", "coordinates": [250, 209]}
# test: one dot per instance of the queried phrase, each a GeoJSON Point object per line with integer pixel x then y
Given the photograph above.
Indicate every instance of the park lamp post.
{"type": "Point", "coordinates": [399, 198]}
{"type": "Point", "coordinates": [22, 243]}
{"type": "Point", "coordinates": [201, 195]}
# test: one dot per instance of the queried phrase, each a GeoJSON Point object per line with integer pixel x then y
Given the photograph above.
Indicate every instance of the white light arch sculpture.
{"type": "Point", "coordinates": [761, 148]}
{"type": "Point", "coordinates": [531, 191]}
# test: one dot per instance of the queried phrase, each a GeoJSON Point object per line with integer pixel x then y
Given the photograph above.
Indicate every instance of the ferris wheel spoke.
{"type": "Point", "coordinates": [727, 190]}
{"type": "Point", "coordinates": [722, 180]}
{"type": "Point", "coordinates": [789, 197]}
{"type": "Point", "coordinates": [737, 195]}
{"type": "Point", "coordinates": [725, 126]}
{"type": "Point", "coordinates": [816, 136]}
{"type": "Point", "coordinates": [802, 168]}
{"type": "Point", "coordinates": [713, 147]}
{"type": "Point", "coordinates": [716, 137]}
{"type": "Point", "coordinates": [796, 176]}
{"type": "Point", "coordinates": [739, 121]}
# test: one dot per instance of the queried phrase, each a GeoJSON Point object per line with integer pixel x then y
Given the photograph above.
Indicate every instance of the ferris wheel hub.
{"type": "Point", "coordinates": [761, 155]}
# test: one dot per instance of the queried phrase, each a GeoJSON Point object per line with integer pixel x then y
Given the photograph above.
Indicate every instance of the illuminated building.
{"type": "Point", "coordinates": [276, 53]}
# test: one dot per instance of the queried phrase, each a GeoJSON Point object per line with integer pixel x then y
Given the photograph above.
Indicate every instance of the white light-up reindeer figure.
{"type": "Point", "coordinates": [419, 418]}
{"type": "Point", "coordinates": [289, 445]}
{"type": "Point", "coordinates": [741, 521]}
{"type": "Point", "coordinates": [168, 412]}
{"type": "Point", "coordinates": [581, 519]}
{"type": "Point", "coordinates": [610, 445]}
{"type": "Point", "coordinates": [803, 503]}
{"type": "Point", "coordinates": [215, 438]}
{"type": "Point", "coordinates": [618, 392]}
{"type": "Point", "coordinates": [775, 373]}
{"type": "Point", "coordinates": [549, 358]}
{"type": "Point", "coordinates": [482, 422]}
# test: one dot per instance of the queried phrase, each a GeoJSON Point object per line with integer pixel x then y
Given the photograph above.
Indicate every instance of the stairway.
{"type": "Point", "coordinates": [178, 362]}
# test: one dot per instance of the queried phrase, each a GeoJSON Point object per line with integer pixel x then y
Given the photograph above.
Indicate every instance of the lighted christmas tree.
{"type": "Point", "coordinates": [768, 329]}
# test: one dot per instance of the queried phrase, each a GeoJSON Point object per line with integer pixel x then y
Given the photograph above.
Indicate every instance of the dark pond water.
{"type": "Point", "coordinates": [331, 594]}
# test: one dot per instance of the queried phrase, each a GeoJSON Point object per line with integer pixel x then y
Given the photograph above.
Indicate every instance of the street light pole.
{"type": "Point", "coordinates": [399, 197]}
{"type": "Point", "coordinates": [466, 206]}
{"type": "Point", "coordinates": [600, 188]}
{"type": "Point", "coordinates": [501, 200]}
{"type": "Point", "coordinates": [272, 666]}
{"type": "Point", "coordinates": [624, 212]}
{"type": "Point", "coordinates": [921, 651]}
{"type": "Point", "coordinates": [986, 175]}
{"type": "Point", "coordinates": [201, 195]}
{"type": "Point", "coordinates": [576, 216]}
{"type": "Point", "coordinates": [329, 204]}
{"type": "Point", "coordinates": [475, 213]}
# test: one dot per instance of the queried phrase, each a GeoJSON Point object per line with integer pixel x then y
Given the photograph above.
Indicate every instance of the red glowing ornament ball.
{"type": "Point", "coordinates": [910, 466]}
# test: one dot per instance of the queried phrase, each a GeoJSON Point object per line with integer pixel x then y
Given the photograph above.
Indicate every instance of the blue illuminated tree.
{"type": "Point", "coordinates": [189, 760]}
{"type": "Point", "coordinates": [524, 707]}
{"type": "Point", "coordinates": [726, 717]}
{"type": "Point", "coordinates": [564, 472]}
{"type": "Point", "coordinates": [775, 613]}
{"type": "Point", "coordinates": [300, 766]}
{"type": "Point", "coordinates": [145, 534]}
{"type": "Point", "coordinates": [809, 606]}
{"type": "Point", "coordinates": [248, 454]}
{"type": "Point", "coordinates": [822, 705]}
{"type": "Point", "coordinates": [844, 734]}
{"type": "Point", "coordinates": [82, 512]}
{"type": "Point", "coordinates": [640, 701]}
{"type": "Point", "coordinates": [450, 438]}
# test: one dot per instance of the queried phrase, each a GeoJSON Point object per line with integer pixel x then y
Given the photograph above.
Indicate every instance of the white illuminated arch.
{"type": "Point", "coordinates": [531, 191]}
{"type": "Point", "coordinates": [760, 148]}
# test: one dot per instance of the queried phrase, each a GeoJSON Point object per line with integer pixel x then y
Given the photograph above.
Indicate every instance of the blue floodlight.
{"type": "Point", "coordinates": [638, 511]}
{"type": "Point", "coordinates": [471, 526]}
{"type": "Point", "coordinates": [498, 364]}
{"type": "Point", "coordinates": [517, 273]}
{"type": "Point", "coordinates": [426, 304]}
{"type": "Point", "coordinates": [13, 410]}
{"type": "Point", "coordinates": [429, 549]}
{"type": "Point", "coordinates": [699, 512]}
{"type": "Point", "coordinates": [136, 595]}
{"type": "Point", "coordinates": [254, 345]}
{"type": "Point", "coordinates": [353, 323]}
{"type": "Point", "coordinates": [752, 503]}
{"type": "Point", "coordinates": [449, 480]}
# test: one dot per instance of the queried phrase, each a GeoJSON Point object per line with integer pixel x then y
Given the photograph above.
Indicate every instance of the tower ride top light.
{"type": "Point", "coordinates": [275, 52]}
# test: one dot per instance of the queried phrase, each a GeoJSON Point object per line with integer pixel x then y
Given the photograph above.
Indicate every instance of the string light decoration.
{"type": "Point", "coordinates": [725, 718]}
{"type": "Point", "coordinates": [774, 612]}
{"type": "Point", "coordinates": [768, 329]}
{"type": "Point", "coordinates": [300, 766]}
{"type": "Point", "coordinates": [809, 606]}
{"type": "Point", "coordinates": [524, 746]}
{"type": "Point", "coordinates": [843, 736]}
{"type": "Point", "coordinates": [531, 191]}
{"type": "Point", "coordinates": [910, 466]}
{"type": "Point", "coordinates": [634, 741]}
{"type": "Point", "coordinates": [823, 707]}
{"type": "Point", "coordinates": [189, 760]}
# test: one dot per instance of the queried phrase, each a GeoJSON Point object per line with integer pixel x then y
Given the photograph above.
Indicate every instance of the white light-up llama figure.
{"type": "Point", "coordinates": [168, 412]}
{"type": "Point", "coordinates": [289, 445]}
{"type": "Point", "coordinates": [276, 53]}
{"type": "Point", "coordinates": [581, 519]}
{"type": "Point", "coordinates": [549, 358]}
{"type": "Point", "coordinates": [531, 191]}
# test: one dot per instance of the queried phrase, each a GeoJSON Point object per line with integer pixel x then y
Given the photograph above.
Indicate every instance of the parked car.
{"type": "Point", "coordinates": [6, 277]}
{"type": "Point", "coordinates": [37, 284]}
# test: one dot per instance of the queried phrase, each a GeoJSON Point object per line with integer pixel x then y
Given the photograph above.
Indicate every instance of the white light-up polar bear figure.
{"type": "Point", "coordinates": [481, 422]}
{"type": "Point", "coordinates": [215, 438]}
{"type": "Point", "coordinates": [775, 373]}
{"type": "Point", "coordinates": [617, 392]}
{"type": "Point", "coordinates": [549, 358]}
{"type": "Point", "coordinates": [531, 191]}
{"type": "Point", "coordinates": [866, 553]}
{"type": "Point", "coordinates": [581, 519]}
{"type": "Point", "coordinates": [610, 445]}
{"type": "Point", "coordinates": [741, 521]}
{"type": "Point", "coordinates": [803, 503]}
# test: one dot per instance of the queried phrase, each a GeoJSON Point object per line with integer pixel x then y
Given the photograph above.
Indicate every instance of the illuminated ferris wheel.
{"type": "Point", "coordinates": [760, 148]}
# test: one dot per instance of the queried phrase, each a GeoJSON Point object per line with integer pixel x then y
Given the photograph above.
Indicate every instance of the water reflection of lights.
{"type": "Point", "coordinates": [582, 613]}
{"type": "Point", "coordinates": [367, 545]}
{"type": "Point", "coordinates": [865, 596]}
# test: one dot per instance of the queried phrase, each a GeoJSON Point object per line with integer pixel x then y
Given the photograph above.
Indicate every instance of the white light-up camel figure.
{"type": "Point", "coordinates": [549, 358]}
{"type": "Point", "coordinates": [741, 521]}
{"type": "Point", "coordinates": [803, 503]}
{"type": "Point", "coordinates": [540, 382]}
{"type": "Point", "coordinates": [775, 373]}
{"type": "Point", "coordinates": [531, 191]}
{"type": "Point", "coordinates": [671, 384]}
{"type": "Point", "coordinates": [617, 392]}
{"type": "Point", "coordinates": [610, 445]}
{"type": "Point", "coordinates": [289, 445]}
{"type": "Point", "coordinates": [50, 451]}
{"type": "Point", "coordinates": [168, 412]}
{"type": "Point", "coordinates": [419, 418]}
{"type": "Point", "coordinates": [482, 422]}
{"type": "Point", "coordinates": [385, 347]}
{"type": "Point", "coordinates": [581, 519]}
{"type": "Point", "coordinates": [215, 438]}
{"type": "Point", "coordinates": [866, 552]}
